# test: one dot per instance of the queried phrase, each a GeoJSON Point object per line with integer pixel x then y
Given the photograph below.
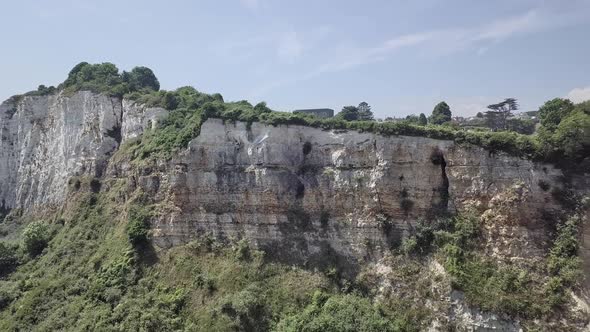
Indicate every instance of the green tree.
{"type": "Point", "coordinates": [349, 113]}
{"type": "Point", "coordinates": [573, 134]}
{"type": "Point", "coordinates": [521, 126]}
{"type": "Point", "coordinates": [414, 119]}
{"type": "Point", "coordinates": [441, 113]}
{"type": "Point", "coordinates": [8, 257]}
{"type": "Point", "coordinates": [141, 78]}
{"type": "Point", "coordinates": [553, 111]}
{"type": "Point", "coordinates": [422, 120]}
{"type": "Point", "coordinates": [35, 237]}
{"type": "Point", "coordinates": [498, 114]}
{"type": "Point", "coordinates": [365, 113]}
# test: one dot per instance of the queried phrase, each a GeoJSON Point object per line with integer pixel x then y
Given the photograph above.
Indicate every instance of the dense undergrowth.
{"type": "Point", "coordinates": [531, 292]}
{"type": "Point", "coordinates": [96, 270]}
{"type": "Point", "coordinates": [92, 266]}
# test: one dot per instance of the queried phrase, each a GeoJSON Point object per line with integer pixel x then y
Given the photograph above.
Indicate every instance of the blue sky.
{"type": "Point", "coordinates": [402, 57]}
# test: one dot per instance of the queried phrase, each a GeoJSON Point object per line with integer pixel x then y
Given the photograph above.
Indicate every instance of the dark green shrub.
{"type": "Point", "coordinates": [35, 237]}
{"type": "Point", "coordinates": [138, 225]}
{"type": "Point", "coordinates": [8, 257]}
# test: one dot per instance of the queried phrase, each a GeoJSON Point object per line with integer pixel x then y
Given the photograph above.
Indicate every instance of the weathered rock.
{"type": "Point", "coordinates": [137, 118]}
{"type": "Point", "coordinates": [48, 139]}
{"type": "Point", "coordinates": [310, 194]}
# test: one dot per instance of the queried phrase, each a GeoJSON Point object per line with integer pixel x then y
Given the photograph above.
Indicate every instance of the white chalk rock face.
{"type": "Point", "coordinates": [310, 193]}
{"type": "Point", "coordinates": [137, 118]}
{"type": "Point", "coordinates": [48, 139]}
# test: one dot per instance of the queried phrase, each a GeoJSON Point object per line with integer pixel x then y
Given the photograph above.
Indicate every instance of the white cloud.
{"type": "Point", "coordinates": [289, 47]}
{"type": "Point", "coordinates": [579, 95]}
{"type": "Point", "coordinates": [503, 29]}
{"type": "Point", "coordinates": [478, 39]}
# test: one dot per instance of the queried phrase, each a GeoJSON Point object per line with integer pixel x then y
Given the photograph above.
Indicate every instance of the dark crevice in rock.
{"type": "Point", "coordinates": [116, 131]}
{"type": "Point", "coordinates": [444, 189]}
{"type": "Point", "coordinates": [306, 148]}
{"type": "Point", "coordinates": [441, 205]}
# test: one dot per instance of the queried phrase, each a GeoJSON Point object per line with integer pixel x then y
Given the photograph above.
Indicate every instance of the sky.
{"type": "Point", "coordinates": [402, 57]}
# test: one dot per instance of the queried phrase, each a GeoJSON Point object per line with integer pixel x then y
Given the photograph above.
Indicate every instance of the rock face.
{"type": "Point", "coordinates": [45, 140]}
{"type": "Point", "coordinates": [138, 118]}
{"type": "Point", "coordinates": [48, 139]}
{"type": "Point", "coordinates": [316, 197]}
{"type": "Point", "coordinates": [305, 195]}
{"type": "Point", "coordinates": [336, 197]}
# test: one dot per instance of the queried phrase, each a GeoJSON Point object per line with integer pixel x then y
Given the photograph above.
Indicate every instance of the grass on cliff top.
{"type": "Point", "coordinates": [190, 108]}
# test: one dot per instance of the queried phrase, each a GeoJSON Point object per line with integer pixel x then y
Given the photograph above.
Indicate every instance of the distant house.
{"type": "Point", "coordinates": [319, 112]}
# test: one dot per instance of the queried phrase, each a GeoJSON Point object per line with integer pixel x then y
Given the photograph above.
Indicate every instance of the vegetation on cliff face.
{"type": "Point", "coordinates": [92, 266]}
{"type": "Point", "coordinates": [96, 271]}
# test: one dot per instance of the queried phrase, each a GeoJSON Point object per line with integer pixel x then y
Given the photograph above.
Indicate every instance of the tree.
{"type": "Point", "coordinates": [141, 78]}
{"type": "Point", "coordinates": [349, 113]}
{"type": "Point", "coordinates": [573, 134]}
{"type": "Point", "coordinates": [441, 113]}
{"type": "Point", "coordinates": [499, 113]}
{"type": "Point", "coordinates": [35, 237]}
{"type": "Point", "coordinates": [412, 119]}
{"type": "Point", "coordinates": [365, 113]}
{"type": "Point", "coordinates": [422, 120]}
{"type": "Point", "coordinates": [521, 126]}
{"type": "Point", "coordinates": [553, 111]}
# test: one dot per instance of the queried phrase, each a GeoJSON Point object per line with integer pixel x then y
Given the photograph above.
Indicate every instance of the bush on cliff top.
{"type": "Point", "coordinates": [565, 138]}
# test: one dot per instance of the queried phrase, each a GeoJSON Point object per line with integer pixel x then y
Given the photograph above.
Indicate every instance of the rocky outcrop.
{"type": "Point", "coordinates": [301, 191]}
{"type": "Point", "coordinates": [137, 118]}
{"type": "Point", "coordinates": [335, 196]}
{"type": "Point", "coordinates": [48, 139]}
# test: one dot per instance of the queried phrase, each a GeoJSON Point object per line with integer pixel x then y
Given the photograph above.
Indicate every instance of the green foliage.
{"type": "Point", "coordinates": [563, 262]}
{"type": "Point", "coordinates": [105, 78]}
{"type": "Point", "coordinates": [8, 257]}
{"type": "Point", "coordinates": [138, 225]}
{"type": "Point", "coordinates": [90, 278]}
{"type": "Point", "coordinates": [141, 78]}
{"type": "Point", "coordinates": [573, 135]}
{"type": "Point", "coordinates": [422, 120]}
{"type": "Point", "coordinates": [553, 111]}
{"type": "Point", "coordinates": [521, 126]}
{"type": "Point", "coordinates": [507, 288]}
{"type": "Point", "coordinates": [35, 237]}
{"type": "Point", "coordinates": [364, 112]}
{"type": "Point", "coordinates": [42, 90]}
{"type": "Point", "coordinates": [348, 113]}
{"type": "Point", "coordinates": [569, 139]}
{"type": "Point", "coordinates": [498, 114]}
{"type": "Point", "coordinates": [338, 313]}
{"type": "Point", "coordinates": [441, 113]}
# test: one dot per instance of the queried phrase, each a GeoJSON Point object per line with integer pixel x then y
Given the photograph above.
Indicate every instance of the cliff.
{"type": "Point", "coordinates": [302, 191]}
{"type": "Point", "coordinates": [46, 140]}
{"type": "Point", "coordinates": [309, 193]}
{"type": "Point", "coordinates": [305, 196]}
